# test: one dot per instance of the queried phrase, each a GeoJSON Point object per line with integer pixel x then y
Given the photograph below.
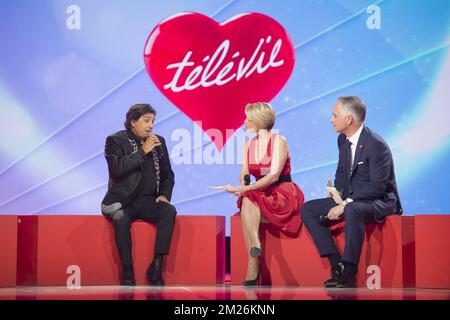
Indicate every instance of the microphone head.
{"type": "Point", "coordinates": [247, 179]}
{"type": "Point", "coordinates": [158, 148]}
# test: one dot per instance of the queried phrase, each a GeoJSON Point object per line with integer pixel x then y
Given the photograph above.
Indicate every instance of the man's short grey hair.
{"type": "Point", "coordinates": [353, 105]}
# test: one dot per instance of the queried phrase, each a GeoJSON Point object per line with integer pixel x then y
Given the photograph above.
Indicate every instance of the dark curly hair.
{"type": "Point", "coordinates": [136, 111]}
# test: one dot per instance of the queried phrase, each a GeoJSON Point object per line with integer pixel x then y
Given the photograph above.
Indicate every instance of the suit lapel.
{"type": "Point", "coordinates": [360, 148]}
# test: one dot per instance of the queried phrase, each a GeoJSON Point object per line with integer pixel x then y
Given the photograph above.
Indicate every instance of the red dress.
{"type": "Point", "coordinates": [280, 203]}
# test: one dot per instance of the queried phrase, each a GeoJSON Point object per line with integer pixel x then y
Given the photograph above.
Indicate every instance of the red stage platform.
{"type": "Point", "coordinates": [8, 250]}
{"type": "Point", "coordinates": [432, 251]}
{"type": "Point", "coordinates": [58, 246]}
{"type": "Point", "coordinates": [387, 259]}
{"type": "Point", "coordinates": [45, 250]}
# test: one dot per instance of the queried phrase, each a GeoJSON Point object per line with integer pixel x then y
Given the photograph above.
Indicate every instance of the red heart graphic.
{"type": "Point", "coordinates": [210, 71]}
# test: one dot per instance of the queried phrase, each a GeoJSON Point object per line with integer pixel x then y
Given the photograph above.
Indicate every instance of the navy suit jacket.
{"type": "Point", "coordinates": [372, 176]}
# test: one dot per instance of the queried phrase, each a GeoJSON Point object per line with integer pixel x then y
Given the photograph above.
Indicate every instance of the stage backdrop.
{"type": "Point", "coordinates": [69, 71]}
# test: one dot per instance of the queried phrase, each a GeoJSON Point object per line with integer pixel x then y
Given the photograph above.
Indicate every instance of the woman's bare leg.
{"type": "Point", "coordinates": [250, 219]}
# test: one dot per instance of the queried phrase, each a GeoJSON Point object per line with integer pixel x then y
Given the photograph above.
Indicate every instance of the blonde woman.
{"type": "Point", "coordinates": [274, 198]}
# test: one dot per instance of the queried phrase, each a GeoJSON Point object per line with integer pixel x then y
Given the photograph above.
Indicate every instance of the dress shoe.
{"type": "Point", "coordinates": [255, 251]}
{"type": "Point", "coordinates": [128, 278]}
{"type": "Point", "coordinates": [336, 276]}
{"type": "Point", "coordinates": [252, 283]}
{"type": "Point", "coordinates": [349, 282]}
{"type": "Point", "coordinates": [154, 271]}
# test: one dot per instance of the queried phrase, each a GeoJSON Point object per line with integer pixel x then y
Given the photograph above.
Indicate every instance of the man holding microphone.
{"type": "Point", "coordinates": [140, 186]}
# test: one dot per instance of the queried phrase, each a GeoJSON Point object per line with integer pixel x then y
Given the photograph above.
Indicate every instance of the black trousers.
{"type": "Point", "coordinates": [356, 215]}
{"type": "Point", "coordinates": [145, 208]}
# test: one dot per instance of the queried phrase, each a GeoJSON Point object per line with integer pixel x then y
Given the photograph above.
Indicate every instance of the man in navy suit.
{"type": "Point", "coordinates": [140, 186]}
{"type": "Point", "coordinates": [366, 180]}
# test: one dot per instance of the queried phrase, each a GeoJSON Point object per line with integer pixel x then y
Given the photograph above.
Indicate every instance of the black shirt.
{"type": "Point", "coordinates": [148, 183]}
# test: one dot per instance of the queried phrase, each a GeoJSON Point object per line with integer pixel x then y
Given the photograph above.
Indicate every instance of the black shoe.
{"type": "Point", "coordinates": [154, 271]}
{"type": "Point", "coordinates": [255, 251]}
{"type": "Point", "coordinates": [336, 276]}
{"type": "Point", "coordinates": [347, 283]}
{"type": "Point", "coordinates": [128, 278]}
{"type": "Point", "coordinates": [252, 283]}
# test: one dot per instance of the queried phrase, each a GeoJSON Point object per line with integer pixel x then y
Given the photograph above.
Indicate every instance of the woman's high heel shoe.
{"type": "Point", "coordinates": [252, 283]}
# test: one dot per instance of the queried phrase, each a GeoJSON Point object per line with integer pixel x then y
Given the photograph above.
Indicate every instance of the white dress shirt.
{"type": "Point", "coordinates": [354, 141]}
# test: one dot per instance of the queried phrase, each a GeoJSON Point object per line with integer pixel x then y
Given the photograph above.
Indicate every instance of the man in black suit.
{"type": "Point", "coordinates": [366, 180]}
{"type": "Point", "coordinates": [140, 187]}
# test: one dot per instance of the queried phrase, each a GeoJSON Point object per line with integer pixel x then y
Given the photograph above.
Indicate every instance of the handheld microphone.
{"type": "Point", "coordinates": [157, 148]}
{"type": "Point", "coordinates": [247, 179]}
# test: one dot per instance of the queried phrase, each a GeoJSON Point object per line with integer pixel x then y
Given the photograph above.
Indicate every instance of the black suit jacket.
{"type": "Point", "coordinates": [372, 176]}
{"type": "Point", "coordinates": [125, 165]}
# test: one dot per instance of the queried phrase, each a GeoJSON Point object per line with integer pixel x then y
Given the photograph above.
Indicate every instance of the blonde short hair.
{"type": "Point", "coordinates": [261, 114]}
